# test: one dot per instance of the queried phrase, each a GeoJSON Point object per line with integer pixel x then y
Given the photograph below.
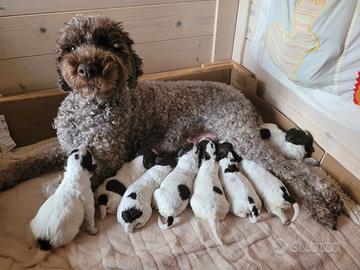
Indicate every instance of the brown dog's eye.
{"type": "Point", "coordinates": [69, 48]}
{"type": "Point", "coordinates": [116, 45]}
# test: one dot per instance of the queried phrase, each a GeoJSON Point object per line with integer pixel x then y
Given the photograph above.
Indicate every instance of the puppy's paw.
{"type": "Point", "coordinates": [92, 231]}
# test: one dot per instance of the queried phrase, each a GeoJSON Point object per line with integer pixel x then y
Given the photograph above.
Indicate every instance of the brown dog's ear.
{"type": "Point", "coordinates": [62, 83]}
{"type": "Point", "coordinates": [136, 69]}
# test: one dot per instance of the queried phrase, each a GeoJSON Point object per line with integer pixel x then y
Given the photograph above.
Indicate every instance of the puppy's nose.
{"type": "Point", "coordinates": [86, 71]}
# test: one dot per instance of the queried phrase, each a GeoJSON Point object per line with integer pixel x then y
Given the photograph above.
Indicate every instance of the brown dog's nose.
{"type": "Point", "coordinates": [86, 71]}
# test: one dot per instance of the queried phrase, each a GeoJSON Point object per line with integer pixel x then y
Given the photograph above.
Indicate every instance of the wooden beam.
{"type": "Point", "coordinates": [224, 29]}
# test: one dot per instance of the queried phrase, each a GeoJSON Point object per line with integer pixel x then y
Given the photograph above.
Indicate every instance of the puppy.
{"type": "Point", "coordinates": [239, 191]}
{"type": "Point", "coordinates": [58, 220]}
{"type": "Point", "coordinates": [294, 144]}
{"type": "Point", "coordinates": [174, 193]}
{"type": "Point", "coordinates": [271, 190]}
{"type": "Point", "coordinates": [135, 207]}
{"type": "Point", "coordinates": [208, 201]}
{"type": "Point", "coordinates": [109, 193]}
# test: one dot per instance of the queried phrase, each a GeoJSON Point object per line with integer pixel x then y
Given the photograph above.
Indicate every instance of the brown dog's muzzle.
{"type": "Point", "coordinates": [93, 71]}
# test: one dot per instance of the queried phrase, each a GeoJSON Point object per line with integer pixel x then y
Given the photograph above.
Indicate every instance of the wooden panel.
{"type": "Point", "coordinates": [36, 34]}
{"type": "Point", "coordinates": [348, 182]}
{"type": "Point", "coordinates": [241, 30]}
{"type": "Point", "coordinates": [27, 128]}
{"type": "Point", "coordinates": [175, 54]}
{"type": "Point", "coordinates": [16, 7]}
{"type": "Point", "coordinates": [225, 29]}
{"type": "Point", "coordinates": [26, 74]}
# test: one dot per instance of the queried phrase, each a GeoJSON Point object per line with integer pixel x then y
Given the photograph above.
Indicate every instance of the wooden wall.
{"type": "Point", "coordinates": [169, 35]}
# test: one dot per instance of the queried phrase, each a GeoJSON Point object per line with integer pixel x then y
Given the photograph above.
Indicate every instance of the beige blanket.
{"type": "Point", "coordinates": [188, 245]}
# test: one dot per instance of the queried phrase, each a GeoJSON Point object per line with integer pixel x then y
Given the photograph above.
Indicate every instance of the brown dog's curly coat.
{"type": "Point", "coordinates": [109, 113]}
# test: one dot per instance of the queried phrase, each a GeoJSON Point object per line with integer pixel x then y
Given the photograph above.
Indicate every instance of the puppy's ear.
{"type": "Point", "coordinates": [236, 156]}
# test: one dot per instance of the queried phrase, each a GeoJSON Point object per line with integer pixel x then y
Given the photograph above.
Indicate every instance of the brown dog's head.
{"type": "Point", "coordinates": [94, 56]}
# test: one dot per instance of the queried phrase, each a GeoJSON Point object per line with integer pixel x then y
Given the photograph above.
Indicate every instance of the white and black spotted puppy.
{"type": "Point", "coordinates": [239, 191]}
{"type": "Point", "coordinates": [109, 193]}
{"type": "Point", "coordinates": [58, 220]}
{"type": "Point", "coordinates": [208, 200]}
{"type": "Point", "coordinates": [135, 206]}
{"type": "Point", "coordinates": [174, 193]}
{"type": "Point", "coordinates": [271, 190]}
{"type": "Point", "coordinates": [294, 144]}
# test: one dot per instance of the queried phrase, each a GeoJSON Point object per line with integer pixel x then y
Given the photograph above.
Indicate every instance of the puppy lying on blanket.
{"type": "Point", "coordinates": [239, 191]}
{"type": "Point", "coordinates": [135, 206]}
{"type": "Point", "coordinates": [109, 193]}
{"type": "Point", "coordinates": [174, 193]}
{"type": "Point", "coordinates": [208, 201]}
{"type": "Point", "coordinates": [271, 190]}
{"type": "Point", "coordinates": [58, 220]}
{"type": "Point", "coordinates": [294, 144]}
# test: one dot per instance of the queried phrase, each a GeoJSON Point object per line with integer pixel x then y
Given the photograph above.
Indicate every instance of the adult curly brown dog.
{"type": "Point", "coordinates": [109, 112]}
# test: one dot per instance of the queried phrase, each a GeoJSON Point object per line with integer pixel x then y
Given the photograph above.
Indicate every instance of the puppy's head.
{"type": "Point", "coordinates": [207, 149]}
{"type": "Point", "coordinates": [80, 159]}
{"type": "Point", "coordinates": [301, 137]}
{"type": "Point", "coordinates": [226, 150]}
{"type": "Point", "coordinates": [188, 151]}
{"type": "Point", "coordinates": [94, 56]}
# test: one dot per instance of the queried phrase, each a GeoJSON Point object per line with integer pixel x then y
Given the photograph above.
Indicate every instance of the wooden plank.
{"type": "Point", "coordinates": [36, 34]}
{"type": "Point", "coordinates": [175, 54]}
{"type": "Point", "coordinates": [27, 128]}
{"type": "Point", "coordinates": [20, 7]}
{"type": "Point", "coordinates": [242, 24]}
{"type": "Point", "coordinates": [224, 29]}
{"type": "Point", "coordinates": [348, 181]}
{"type": "Point", "coordinates": [20, 75]}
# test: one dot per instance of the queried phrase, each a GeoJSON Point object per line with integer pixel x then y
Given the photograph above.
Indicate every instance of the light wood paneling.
{"type": "Point", "coordinates": [175, 54]}
{"type": "Point", "coordinates": [241, 30]}
{"type": "Point", "coordinates": [26, 74]}
{"type": "Point", "coordinates": [17, 7]}
{"type": "Point", "coordinates": [36, 34]}
{"type": "Point", "coordinates": [225, 29]}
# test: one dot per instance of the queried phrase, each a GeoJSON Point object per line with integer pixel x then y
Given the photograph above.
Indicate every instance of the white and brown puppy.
{"type": "Point", "coordinates": [174, 193]}
{"type": "Point", "coordinates": [109, 193]}
{"type": "Point", "coordinates": [208, 200]}
{"type": "Point", "coordinates": [239, 191]}
{"type": "Point", "coordinates": [58, 220]}
{"type": "Point", "coordinates": [271, 190]}
{"type": "Point", "coordinates": [135, 206]}
{"type": "Point", "coordinates": [294, 144]}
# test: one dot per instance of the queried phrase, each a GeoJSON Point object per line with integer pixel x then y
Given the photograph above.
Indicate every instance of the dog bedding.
{"type": "Point", "coordinates": [188, 245]}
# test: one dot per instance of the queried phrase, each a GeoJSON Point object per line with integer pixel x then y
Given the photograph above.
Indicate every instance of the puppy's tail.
{"type": "Point", "coordinates": [214, 225]}
{"type": "Point", "coordinates": [44, 248]}
{"type": "Point", "coordinates": [254, 213]}
{"type": "Point", "coordinates": [288, 198]}
{"type": "Point", "coordinates": [102, 210]}
{"type": "Point", "coordinates": [296, 211]}
{"type": "Point", "coordinates": [31, 166]}
{"type": "Point", "coordinates": [169, 222]}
